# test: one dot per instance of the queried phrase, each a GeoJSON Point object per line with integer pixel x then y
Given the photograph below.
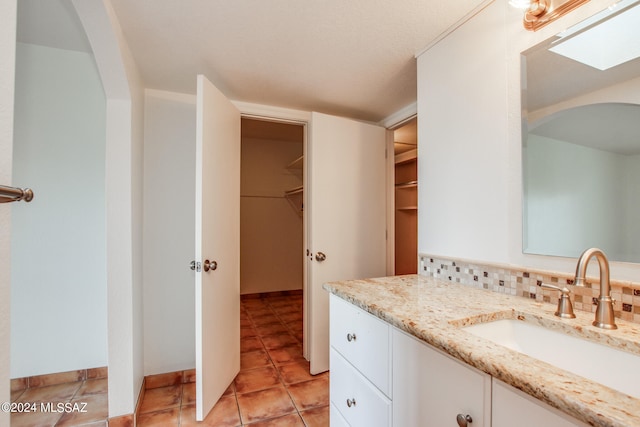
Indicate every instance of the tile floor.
{"type": "Point", "coordinates": [273, 388]}
{"type": "Point", "coordinates": [90, 395]}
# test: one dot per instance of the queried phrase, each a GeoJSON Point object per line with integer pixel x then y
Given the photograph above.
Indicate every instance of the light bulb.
{"type": "Point", "coordinates": [520, 4]}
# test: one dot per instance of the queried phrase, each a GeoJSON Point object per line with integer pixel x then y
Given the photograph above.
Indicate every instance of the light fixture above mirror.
{"type": "Point", "coordinates": [539, 13]}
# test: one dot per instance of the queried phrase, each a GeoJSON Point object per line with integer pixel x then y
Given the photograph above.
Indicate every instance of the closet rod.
{"type": "Point", "coordinates": [13, 194]}
{"type": "Point", "coordinates": [263, 197]}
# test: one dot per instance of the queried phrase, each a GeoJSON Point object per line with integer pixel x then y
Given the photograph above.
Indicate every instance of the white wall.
{"type": "Point", "coordinates": [124, 170]}
{"type": "Point", "coordinates": [462, 128]}
{"type": "Point", "coordinates": [58, 240]}
{"type": "Point", "coordinates": [271, 252]}
{"type": "Point", "coordinates": [169, 227]}
{"type": "Point", "coordinates": [7, 53]}
{"type": "Point", "coordinates": [575, 199]}
{"type": "Point", "coordinates": [470, 197]}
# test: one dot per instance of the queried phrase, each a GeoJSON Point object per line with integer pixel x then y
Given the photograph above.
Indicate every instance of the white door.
{"type": "Point", "coordinates": [346, 215]}
{"type": "Point", "coordinates": [217, 245]}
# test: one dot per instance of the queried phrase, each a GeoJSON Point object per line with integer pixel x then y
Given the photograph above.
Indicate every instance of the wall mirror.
{"type": "Point", "coordinates": [581, 138]}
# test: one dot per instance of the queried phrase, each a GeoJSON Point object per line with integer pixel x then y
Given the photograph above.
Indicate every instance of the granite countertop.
{"type": "Point", "coordinates": [434, 310]}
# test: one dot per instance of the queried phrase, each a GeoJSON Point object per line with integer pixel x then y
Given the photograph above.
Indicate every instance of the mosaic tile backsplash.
{"type": "Point", "coordinates": [526, 283]}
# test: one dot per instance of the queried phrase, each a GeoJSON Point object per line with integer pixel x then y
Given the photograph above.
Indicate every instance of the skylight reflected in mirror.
{"type": "Point", "coordinates": [612, 42]}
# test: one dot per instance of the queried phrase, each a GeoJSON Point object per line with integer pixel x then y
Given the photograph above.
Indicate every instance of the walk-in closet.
{"type": "Point", "coordinates": [271, 211]}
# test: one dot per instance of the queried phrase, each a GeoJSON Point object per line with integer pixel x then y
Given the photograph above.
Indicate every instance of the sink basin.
{"type": "Point", "coordinates": [598, 362]}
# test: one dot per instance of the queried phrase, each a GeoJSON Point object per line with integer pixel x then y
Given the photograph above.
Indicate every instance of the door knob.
{"type": "Point", "coordinates": [320, 257]}
{"type": "Point", "coordinates": [210, 265]}
{"type": "Point", "coordinates": [464, 420]}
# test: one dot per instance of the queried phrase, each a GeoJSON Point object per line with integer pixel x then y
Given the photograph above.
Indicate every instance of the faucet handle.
{"type": "Point", "coordinates": [565, 308]}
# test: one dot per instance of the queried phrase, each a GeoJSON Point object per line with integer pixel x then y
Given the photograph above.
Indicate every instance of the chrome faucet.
{"type": "Point", "coordinates": [604, 313]}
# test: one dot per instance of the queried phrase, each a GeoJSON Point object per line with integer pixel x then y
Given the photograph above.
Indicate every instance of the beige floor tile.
{"type": "Point", "coordinates": [274, 328]}
{"type": "Point", "coordinates": [34, 419]}
{"type": "Point", "coordinates": [250, 344]}
{"type": "Point", "coordinates": [295, 372]}
{"type": "Point", "coordinates": [256, 379]}
{"type": "Point", "coordinates": [15, 395]}
{"type": "Point", "coordinates": [158, 399]}
{"type": "Point", "coordinates": [246, 332]}
{"type": "Point", "coordinates": [278, 341]}
{"type": "Point", "coordinates": [286, 354]}
{"type": "Point", "coordinates": [57, 378]}
{"type": "Point", "coordinates": [166, 418]}
{"type": "Point", "coordinates": [317, 417]}
{"type": "Point", "coordinates": [188, 394]}
{"type": "Point", "coordinates": [254, 359]}
{"type": "Point", "coordinates": [86, 409]}
{"type": "Point", "coordinates": [265, 404]}
{"type": "Point", "coordinates": [52, 393]}
{"type": "Point", "coordinates": [224, 414]}
{"type": "Point", "coordinates": [163, 380]}
{"type": "Point", "coordinates": [310, 394]}
{"type": "Point", "coordinates": [90, 387]}
{"type": "Point", "coordinates": [291, 420]}
{"type": "Point", "coordinates": [265, 319]}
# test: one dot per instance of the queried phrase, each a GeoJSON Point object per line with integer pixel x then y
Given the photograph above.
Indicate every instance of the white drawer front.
{"type": "Point", "coordinates": [336, 418]}
{"type": "Point", "coordinates": [359, 402]}
{"type": "Point", "coordinates": [364, 340]}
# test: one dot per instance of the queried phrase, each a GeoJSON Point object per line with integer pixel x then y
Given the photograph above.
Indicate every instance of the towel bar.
{"type": "Point", "coordinates": [13, 194]}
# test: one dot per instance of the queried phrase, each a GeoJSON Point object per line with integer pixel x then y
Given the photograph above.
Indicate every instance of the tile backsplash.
{"type": "Point", "coordinates": [525, 283]}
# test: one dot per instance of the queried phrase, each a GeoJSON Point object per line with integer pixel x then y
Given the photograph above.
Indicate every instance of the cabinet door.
{"type": "Point", "coordinates": [359, 401]}
{"type": "Point", "coordinates": [362, 339]}
{"type": "Point", "coordinates": [511, 407]}
{"type": "Point", "coordinates": [336, 418]}
{"type": "Point", "coordinates": [431, 388]}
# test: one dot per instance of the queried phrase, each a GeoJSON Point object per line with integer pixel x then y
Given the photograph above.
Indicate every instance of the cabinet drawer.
{"type": "Point", "coordinates": [364, 340]}
{"type": "Point", "coordinates": [357, 400]}
{"type": "Point", "coordinates": [336, 419]}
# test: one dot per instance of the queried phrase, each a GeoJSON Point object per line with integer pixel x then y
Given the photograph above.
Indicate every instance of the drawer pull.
{"type": "Point", "coordinates": [463, 420]}
{"type": "Point", "coordinates": [351, 337]}
{"type": "Point", "coordinates": [351, 402]}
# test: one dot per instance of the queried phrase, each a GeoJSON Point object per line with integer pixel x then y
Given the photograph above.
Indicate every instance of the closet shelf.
{"type": "Point", "coordinates": [296, 164]}
{"type": "Point", "coordinates": [409, 184]}
{"type": "Point", "coordinates": [408, 208]}
{"type": "Point", "coordinates": [406, 157]}
{"type": "Point", "coordinates": [295, 198]}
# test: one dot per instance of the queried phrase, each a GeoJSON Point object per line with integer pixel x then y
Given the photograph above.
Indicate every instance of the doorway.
{"type": "Point", "coordinates": [406, 197]}
{"type": "Point", "coordinates": [271, 207]}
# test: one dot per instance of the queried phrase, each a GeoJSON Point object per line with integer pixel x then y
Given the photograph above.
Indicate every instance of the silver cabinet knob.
{"type": "Point", "coordinates": [210, 265]}
{"type": "Point", "coordinates": [320, 257]}
{"type": "Point", "coordinates": [463, 420]}
{"type": "Point", "coordinates": [351, 337]}
{"type": "Point", "coordinates": [351, 402]}
{"type": "Point", "coordinates": [192, 265]}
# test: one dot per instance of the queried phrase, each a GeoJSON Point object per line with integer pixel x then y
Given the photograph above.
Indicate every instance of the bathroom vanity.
{"type": "Point", "coordinates": [400, 355]}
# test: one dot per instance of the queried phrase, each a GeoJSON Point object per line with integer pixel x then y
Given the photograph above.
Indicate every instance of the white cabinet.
{"type": "Point", "coordinates": [432, 389]}
{"type": "Point", "coordinates": [382, 376]}
{"type": "Point", "coordinates": [363, 340]}
{"type": "Point", "coordinates": [360, 366]}
{"type": "Point", "coordinates": [355, 397]}
{"type": "Point", "coordinates": [512, 407]}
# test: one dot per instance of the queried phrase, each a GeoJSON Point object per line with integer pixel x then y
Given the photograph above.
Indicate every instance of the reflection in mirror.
{"type": "Point", "coordinates": [581, 144]}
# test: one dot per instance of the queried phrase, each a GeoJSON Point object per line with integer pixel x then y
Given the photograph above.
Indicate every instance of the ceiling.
{"type": "Point", "coordinates": [352, 58]}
